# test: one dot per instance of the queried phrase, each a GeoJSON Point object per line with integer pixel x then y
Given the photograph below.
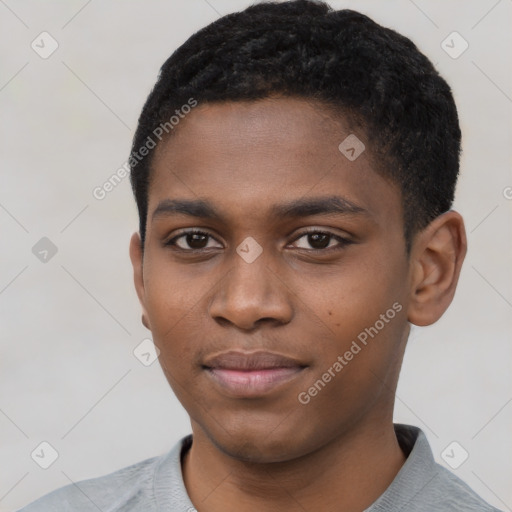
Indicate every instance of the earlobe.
{"type": "Point", "coordinates": [138, 277]}
{"type": "Point", "coordinates": [436, 261]}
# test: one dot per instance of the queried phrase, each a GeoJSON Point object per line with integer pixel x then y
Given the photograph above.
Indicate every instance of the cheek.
{"type": "Point", "coordinates": [361, 307]}
{"type": "Point", "coordinates": [172, 307]}
{"type": "Point", "coordinates": [173, 301]}
{"type": "Point", "coordinates": [350, 297]}
{"type": "Point", "coordinates": [171, 290]}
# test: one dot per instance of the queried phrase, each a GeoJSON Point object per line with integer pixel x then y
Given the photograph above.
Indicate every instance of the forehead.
{"type": "Point", "coordinates": [283, 124]}
{"type": "Point", "coordinates": [250, 156]}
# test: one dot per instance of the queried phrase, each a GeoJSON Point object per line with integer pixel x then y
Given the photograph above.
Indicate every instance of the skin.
{"type": "Point", "coordinates": [339, 451]}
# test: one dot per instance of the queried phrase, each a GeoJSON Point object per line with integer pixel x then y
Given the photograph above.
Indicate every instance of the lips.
{"type": "Point", "coordinates": [251, 375]}
{"type": "Point", "coordinates": [247, 361]}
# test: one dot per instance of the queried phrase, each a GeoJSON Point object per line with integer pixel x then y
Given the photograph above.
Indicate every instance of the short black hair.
{"type": "Point", "coordinates": [343, 59]}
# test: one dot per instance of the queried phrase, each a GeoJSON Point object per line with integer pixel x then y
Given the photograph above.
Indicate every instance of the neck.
{"type": "Point", "coordinates": [347, 473]}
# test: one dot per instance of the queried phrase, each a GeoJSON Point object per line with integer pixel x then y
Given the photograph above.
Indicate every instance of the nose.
{"type": "Point", "coordinates": [251, 294]}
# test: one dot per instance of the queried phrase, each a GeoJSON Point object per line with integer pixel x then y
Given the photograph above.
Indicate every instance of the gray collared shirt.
{"type": "Point", "coordinates": [156, 485]}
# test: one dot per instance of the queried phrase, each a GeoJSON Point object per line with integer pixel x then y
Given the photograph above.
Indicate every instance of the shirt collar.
{"type": "Point", "coordinates": [418, 471]}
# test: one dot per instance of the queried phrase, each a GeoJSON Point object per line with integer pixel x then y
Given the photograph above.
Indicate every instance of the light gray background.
{"type": "Point", "coordinates": [69, 326]}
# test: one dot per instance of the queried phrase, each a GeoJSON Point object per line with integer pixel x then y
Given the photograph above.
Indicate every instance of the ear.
{"type": "Point", "coordinates": [436, 260]}
{"type": "Point", "coordinates": [138, 277]}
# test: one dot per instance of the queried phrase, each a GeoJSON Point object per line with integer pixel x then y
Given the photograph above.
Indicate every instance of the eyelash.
{"type": "Point", "coordinates": [343, 242]}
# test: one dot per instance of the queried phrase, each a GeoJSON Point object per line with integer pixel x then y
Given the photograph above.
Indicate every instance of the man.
{"type": "Point", "coordinates": [294, 169]}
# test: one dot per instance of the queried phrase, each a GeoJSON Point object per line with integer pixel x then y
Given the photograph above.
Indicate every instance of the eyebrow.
{"type": "Point", "coordinates": [202, 209]}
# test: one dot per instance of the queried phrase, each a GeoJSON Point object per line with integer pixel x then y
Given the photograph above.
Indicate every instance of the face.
{"type": "Point", "coordinates": [274, 278]}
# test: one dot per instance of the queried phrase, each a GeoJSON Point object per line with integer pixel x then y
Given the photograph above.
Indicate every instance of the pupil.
{"type": "Point", "coordinates": [196, 240]}
{"type": "Point", "coordinates": [318, 240]}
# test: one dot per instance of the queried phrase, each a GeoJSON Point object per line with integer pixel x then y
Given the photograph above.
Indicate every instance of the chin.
{"type": "Point", "coordinates": [261, 442]}
{"type": "Point", "coordinates": [259, 452]}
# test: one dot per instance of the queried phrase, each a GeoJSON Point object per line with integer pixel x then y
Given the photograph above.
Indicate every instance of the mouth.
{"type": "Point", "coordinates": [251, 375]}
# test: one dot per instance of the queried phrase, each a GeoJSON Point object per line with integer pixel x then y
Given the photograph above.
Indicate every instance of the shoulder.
{"type": "Point", "coordinates": [454, 494]}
{"type": "Point", "coordinates": [424, 485]}
{"type": "Point", "coordinates": [127, 489]}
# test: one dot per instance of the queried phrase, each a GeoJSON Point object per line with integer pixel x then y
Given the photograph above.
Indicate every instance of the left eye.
{"type": "Point", "coordinates": [319, 240]}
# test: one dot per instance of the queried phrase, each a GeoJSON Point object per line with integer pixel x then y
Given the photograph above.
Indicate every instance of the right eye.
{"type": "Point", "coordinates": [196, 240]}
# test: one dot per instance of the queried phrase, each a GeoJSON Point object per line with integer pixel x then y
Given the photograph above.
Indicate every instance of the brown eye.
{"type": "Point", "coordinates": [196, 240]}
{"type": "Point", "coordinates": [191, 240]}
{"type": "Point", "coordinates": [315, 240]}
{"type": "Point", "coordinates": [319, 240]}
